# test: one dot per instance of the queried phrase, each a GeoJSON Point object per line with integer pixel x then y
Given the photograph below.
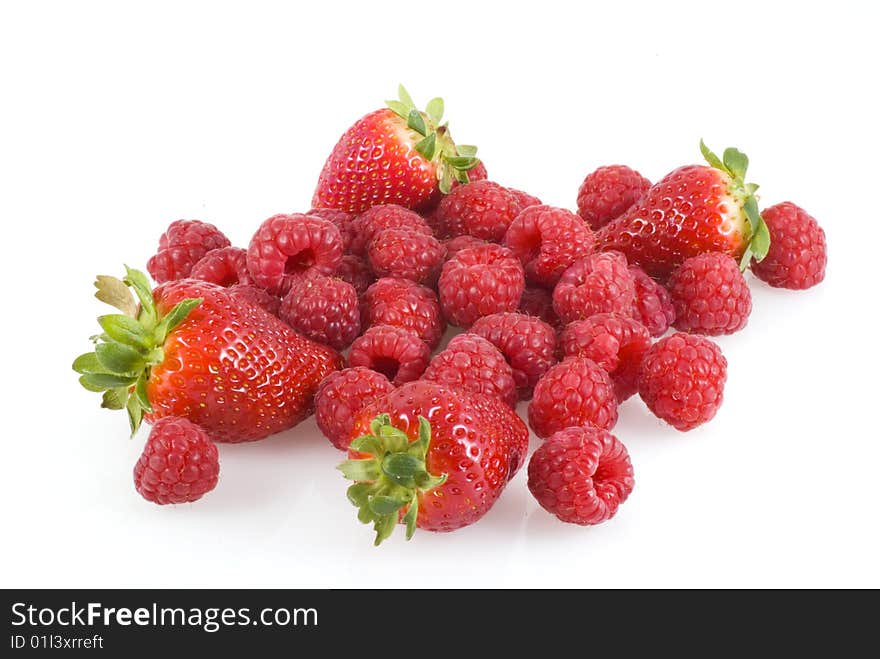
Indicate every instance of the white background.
{"type": "Point", "coordinates": [116, 121]}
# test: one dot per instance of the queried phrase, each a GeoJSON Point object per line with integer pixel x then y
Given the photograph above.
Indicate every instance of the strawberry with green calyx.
{"type": "Point", "coordinates": [694, 209]}
{"type": "Point", "coordinates": [427, 456]}
{"type": "Point", "coordinates": [192, 349]}
{"type": "Point", "coordinates": [396, 155]}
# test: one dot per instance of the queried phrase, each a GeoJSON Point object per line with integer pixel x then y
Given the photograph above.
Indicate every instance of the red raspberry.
{"type": "Point", "coordinates": [182, 245]}
{"type": "Point", "coordinates": [538, 302]}
{"type": "Point", "coordinates": [473, 364]}
{"type": "Point", "coordinates": [341, 396]}
{"type": "Point", "coordinates": [478, 282]}
{"type": "Point", "coordinates": [507, 421]}
{"type": "Point", "coordinates": [548, 240]}
{"type": "Point", "coordinates": [226, 266]}
{"type": "Point", "coordinates": [432, 219]}
{"type": "Point", "coordinates": [524, 199]}
{"type": "Point", "coordinates": [341, 220]}
{"type": "Point", "coordinates": [459, 243]}
{"type": "Point", "coordinates": [682, 380]}
{"type": "Point", "coordinates": [405, 304]}
{"type": "Point", "coordinates": [653, 305]}
{"type": "Point", "coordinates": [482, 209]}
{"type": "Point", "coordinates": [179, 463]}
{"type": "Point", "coordinates": [616, 343]}
{"type": "Point", "coordinates": [396, 353]}
{"type": "Point", "coordinates": [575, 392]}
{"type": "Point", "coordinates": [798, 253]}
{"type": "Point", "coordinates": [710, 295]}
{"type": "Point", "coordinates": [527, 343]}
{"type": "Point", "coordinates": [581, 475]}
{"type": "Point", "coordinates": [256, 295]}
{"type": "Point", "coordinates": [325, 309]}
{"type": "Point", "coordinates": [600, 283]}
{"type": "Point", "coordinates": [378, 218]}
{"type": "Point", "coordinates": [356, 272]}
{"type": "Point", "coordinates": [607, 193]}
{"type": "Point", "coordinates": [286, 245]}
{"type": "Point", "coordinates": [407, 254]}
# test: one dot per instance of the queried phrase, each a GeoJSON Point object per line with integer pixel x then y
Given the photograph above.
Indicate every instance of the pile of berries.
{"type": "Point", "coordinates": [574, 312]}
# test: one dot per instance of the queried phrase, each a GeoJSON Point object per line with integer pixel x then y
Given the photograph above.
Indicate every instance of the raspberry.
{"type": "Point", "coordinates": [616, 343]}
{"type": "Point", "coordinates": [286, 245]}
{"type": "Point", "coordinates": [478, 282]}
{"type": "Point", "coordinates": [798, 253]}
{"type": "Point", "coordinates": [682, 380]}
{"type": "Point", "coordinates": [396, 353]}
{"type": "Point", "coordinates": [710, 295]}
{"type": "Point", "coordinates": [256, 295]}
{"type": "Point", "coordinates": [575, 392]}
{"type": "Point", "coordinates": [509, 425]}
{"type": "Point", "coordinates": [653, 305]}
{"type": "Point", "coordinates": [356, 272]}
{"type": "Point", "coordinates": [607, 193]}
{"type": "Point", "coordinates": [226, 266]}
{"type": "Point", "coordinates": [179, 463]}
{"type": "Point", "coordinates": [459, 243]}
{"type": "Point", "coordinates": [406, 253]}
{"type": "Point", "coordinates": [581, 475]}
{"type": "Point", "coordinates": [548, 240]}
{"type": "Point", "coordinates": [341, 220]}
{"type": "Point", "coordinates": [482, 209]}
{"type": "Point", "coordinates": [405, 304]}
{"type": "Point", "coordinates": [389, 216]}
{"type": "Point", "coordinates": [538, 302]}
{"type": "Point", "coordinates": [341, 396]}
{"type": "Point", "coordinates": [527, 343]}
{"type": "Point", "coordinates": [600, 283]}
{"type": "Point", "coordinates": [182, 245]}
{"type": "Point", "coordinates": [432, 219]}
{"type": "Point", "coordinates": [524, 199]}
{"type": "Point", "coordinates": [325, 309]}
{"type": "Point", "coordinates": [473, 364]}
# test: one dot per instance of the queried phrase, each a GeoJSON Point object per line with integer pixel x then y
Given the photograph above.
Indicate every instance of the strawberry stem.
{"type": "Point", "coordinates": [131, 344]}
{"type": "Point", "coordinates": [391, 479]}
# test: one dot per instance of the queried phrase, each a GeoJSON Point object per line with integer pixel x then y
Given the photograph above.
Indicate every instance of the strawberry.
{"type": "Point", "coordinates": [396, 155]}
{"type": "Point", "coordinates": [693, 210]}
{"type": "Point", "coordinates": [431, 457]}
{"type": "Point", "coordinates": [194, 350]}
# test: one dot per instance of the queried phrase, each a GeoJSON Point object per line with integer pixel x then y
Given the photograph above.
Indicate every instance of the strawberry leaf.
{"type": "Point", "coordinates": [417, 122]}
{"type": "Point", "coordinates": [736, 162]}
{"type": "Point", "coordinates": [428, 146]}
{"type": "Point", "coordinates": [466, 149]}
{"type": "Point", "coordinates": [382, 504]}
{"type": "Point", "coordinates": [710, 157]}
{"type": "Point", "coordinates": [411, 516]}
{"type": "Point", "coordinates": [174, 317]}
{"type": "Point", "coordinates": [114, 292]}
{"type": "Point", "coordinates": [434, 110]}
{"type": "Point", "coordinates": [88, 386]}
{"type": "Point", "coordinates": [404, 96]}
{"type": "Point", "coordinates": [398, 108]}
{"type": "Point", "coordinates": [135, 414]}
{"type": "Point", "coordinates": [107, 380]}
{"type": "Point", "coordinates": [125, 329]}
{"type": "Point", "coordinates": [88, 363]}
{"type": "Point", "coordinates": [118, 358]}
{"type": "Point", "coordinates": [114, 399]}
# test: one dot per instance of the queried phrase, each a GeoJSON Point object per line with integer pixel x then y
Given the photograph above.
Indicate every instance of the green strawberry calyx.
{"type": "Point", "coordinates": [435, 143]}
{"type": "Point", "coordinates": [735, 163]}
{"type": "Point", "coordinates": [390, 481]}
{"type": "Point", "coordinates": [130, 344]}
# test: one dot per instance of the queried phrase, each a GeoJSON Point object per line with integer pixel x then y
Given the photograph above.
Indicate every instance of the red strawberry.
{"type": "Point", "coordinates": [694, 209]}
{"type": "Point", "coordinates": [196, 351]}
{"type": "Point", "coordinates": [397, 155]}
{"type": "Point", "coordinates": [428, 456]}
